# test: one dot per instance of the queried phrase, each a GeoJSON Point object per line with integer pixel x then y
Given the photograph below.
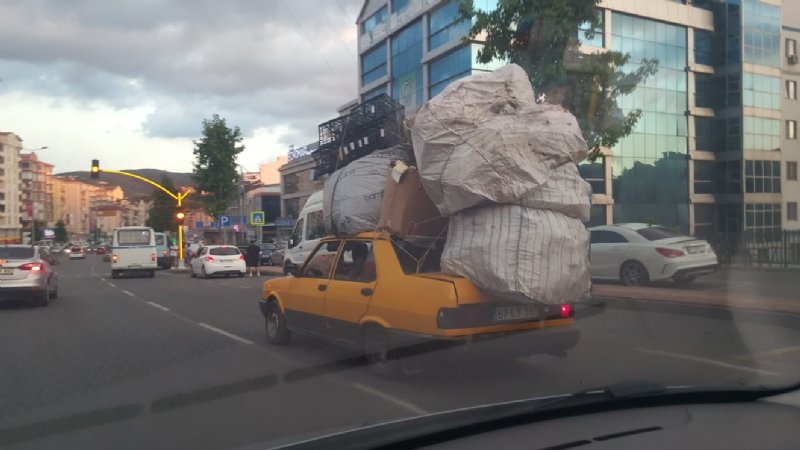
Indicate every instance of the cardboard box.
{"type": "Point", "coordinates": [407, 210]}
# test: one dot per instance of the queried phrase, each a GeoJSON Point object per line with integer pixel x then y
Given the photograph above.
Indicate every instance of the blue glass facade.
{"type": "Point", "coordinates": [650, 166]}
{"type": "Point", "coordinates": [448, 68]}
{"type": "Point", "coordinates": [407, 85]}
{"type": "Point", "coordinates": [761, 91]}
{"type": "Point", "coordinates": [593, 37]}
{"type": "Point", "coordinates": [380, 16]}
{"type": "Point", "coordinates": [444, 25]}
{"type": "Point", "coordinates": [373, 64]}
{"type": "Point", "coordinates": [761, 32]}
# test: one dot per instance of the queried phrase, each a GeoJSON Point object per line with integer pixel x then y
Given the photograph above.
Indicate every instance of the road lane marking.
{"type": "Point", "coordinates": [773, 352]}
{"type": "Point", "coordinates": [128, 293]}
{"type": "Point", "coordinates": [226, 334]}
{"type": "Point", "coordinates": [161, 307]}
{"type": "Point", "coordinates": [709, 361]}
{"type": "Point", "coordinates": [390, 398]}
{"type": "Point", "coordinates": [246, 287]}
{"type": "Point", "coordinates": [111, 284]}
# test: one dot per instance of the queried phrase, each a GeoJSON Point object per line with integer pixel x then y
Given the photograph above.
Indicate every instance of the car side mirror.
{"type": "Point", "coordinates": [292, 241]}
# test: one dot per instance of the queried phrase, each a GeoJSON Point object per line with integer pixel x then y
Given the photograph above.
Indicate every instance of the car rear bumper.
{"type": "Point", "coordinates": [678, 269]}
{"type": "Point", "coordinates": [19, 292]}
{"type": "Point", "coordinates": [695, 271]}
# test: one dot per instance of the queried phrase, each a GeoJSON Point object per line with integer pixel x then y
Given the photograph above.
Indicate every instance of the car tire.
{"type": "Point", "coordinates": [686, 280]}
{"type": "Point", "coordinates": [151, 274]}
{"type": "Point", "coordinates": [203, 273]}
{"type": "Point", "coordinates": [191, 272]}
{"type": "Point", "coordinates": [241, 274]}
{"type": "Point", "coordinates": [54, 293]}
{"type": "Point", "coordinates": [42, 298]}
{"type": "Point", "coordinates": [633, 273]}
{"type": "Point", "coordinates": [275, 322]}
{"type": "Point", "coordinates": [114, 274]}
{"type": "Point", "coordinates": [381, 359]}
{"type": "Point", "coordinates": [289, 268]}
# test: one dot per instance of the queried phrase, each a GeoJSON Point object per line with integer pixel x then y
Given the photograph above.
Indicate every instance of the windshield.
{"type": "Point", "coordinates": [656, 233]}
{"type": "Point", "coordinates": [224, 251]}
{"type": "Point", "coordinates": [548, 196]}
{"type": "Point", "coordinates": [16, 253]}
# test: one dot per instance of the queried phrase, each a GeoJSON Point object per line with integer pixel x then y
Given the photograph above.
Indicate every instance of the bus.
{"type": "Point", "coordinates": [133, 251]}
{"type": "Point", "coordinates": [163, 258]}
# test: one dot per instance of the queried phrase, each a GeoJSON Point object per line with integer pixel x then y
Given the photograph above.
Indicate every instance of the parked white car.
{"type": "Point", "coordinates": [636, 253]}
{"type": "Point", "coordinates": [218, 260]}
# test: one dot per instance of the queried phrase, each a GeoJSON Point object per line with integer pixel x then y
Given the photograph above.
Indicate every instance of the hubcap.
{"type": "Point", "coordinates": [633, 274]}
{"type": "Point", "coordinates": [378, 348]}
{"type": "Point", "coordinates": [272, 323]}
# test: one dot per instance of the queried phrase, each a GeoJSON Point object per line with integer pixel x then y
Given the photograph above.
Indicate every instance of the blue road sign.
{"type": "Point", "coordinates": [198, 224]}
{"type": "Point", "coordinates": [224, 221]}
{"type": "Point", "coordinates": [257, 218]}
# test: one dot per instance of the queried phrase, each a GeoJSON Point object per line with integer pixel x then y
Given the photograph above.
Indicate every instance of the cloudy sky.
{"type": "Point", "coordinates": [129, 82]}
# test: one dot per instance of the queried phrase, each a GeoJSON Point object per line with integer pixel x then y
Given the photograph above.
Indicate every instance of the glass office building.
{"type": "Point", "coordinates": [705, 156]}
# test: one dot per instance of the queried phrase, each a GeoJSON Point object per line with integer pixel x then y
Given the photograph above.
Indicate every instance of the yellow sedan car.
{"type": "Point", "coordinates": [387, 297]}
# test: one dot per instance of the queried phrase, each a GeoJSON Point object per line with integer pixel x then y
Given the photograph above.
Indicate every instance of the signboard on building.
{"type": "Point", "coordinates": [49, 233]}
{"type": "Point", "coordinates": [284, 222]}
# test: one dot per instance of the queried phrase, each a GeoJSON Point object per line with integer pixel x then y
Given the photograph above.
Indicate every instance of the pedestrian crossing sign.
{"type": "Point", "coordinates": [257, 218]}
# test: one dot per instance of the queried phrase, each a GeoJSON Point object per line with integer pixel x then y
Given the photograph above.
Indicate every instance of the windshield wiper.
{"type": "Point", "coordinates": [446, 426]}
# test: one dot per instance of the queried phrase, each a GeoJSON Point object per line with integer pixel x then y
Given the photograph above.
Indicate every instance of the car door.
{"type": "Point", "coordinates": [608, 251]}
{"type": "Point", "coordinates": [304, 304]}
{"type": "Point", "coordinates": [350, 291]}
{"type": "Point", "coordinates": [197, 261]}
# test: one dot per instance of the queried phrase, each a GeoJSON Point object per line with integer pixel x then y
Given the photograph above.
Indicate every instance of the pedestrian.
{"type": "Point", "coordinates": [173, 255]}
{"type": "Point", "coordinates": [253, 258]}
{"type": "Point", "coordinates": [187, 253]}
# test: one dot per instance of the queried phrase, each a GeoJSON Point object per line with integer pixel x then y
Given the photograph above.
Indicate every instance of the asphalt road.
{"type": "Point", "coordinates": [175, 362]}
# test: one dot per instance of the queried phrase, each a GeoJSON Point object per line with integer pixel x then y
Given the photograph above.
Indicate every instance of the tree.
{"type": "Point", "coordinates": [162, 217]}
{"type": "Point", "coordinates": [214, 169]}
{"type": "Point", "coordinates": [61, 232]}
{"type": "Point", "coordinates": [542, 37]}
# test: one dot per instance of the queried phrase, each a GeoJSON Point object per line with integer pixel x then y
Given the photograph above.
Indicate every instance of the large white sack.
{"type": "Point", "coordinates": [565, 192]}
{"type": "Point", "coordinates": [520, 254]}
{"type": "Point", "coordinates": [353, 195]}
{"type": "Point", "coordinates": [485, 139]}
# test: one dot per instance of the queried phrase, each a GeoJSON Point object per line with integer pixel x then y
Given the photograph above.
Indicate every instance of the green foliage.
{"type": "Point", "coordinates": [541, 36]}
{"type": "Point", "coordinates": [161, 217]}
{"type": "Point", "coordinates": [61, 232]}
{"type": "Point", "coordinates": [214, 168]}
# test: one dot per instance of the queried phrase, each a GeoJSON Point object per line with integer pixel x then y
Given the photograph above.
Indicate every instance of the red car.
{"type": "Point", "coordinates": [101, 250]}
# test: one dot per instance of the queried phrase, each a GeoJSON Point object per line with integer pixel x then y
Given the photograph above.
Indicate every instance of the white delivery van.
{"type": "Point", "coordinates": [306, 234]}
{"type": "Point", "coordinates": [133, 250]}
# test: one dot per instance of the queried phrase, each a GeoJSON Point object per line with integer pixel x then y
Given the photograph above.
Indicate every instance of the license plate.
{"type": "Point", "coordinates": [695, 249]}
{"type": "Point", "coordinates": [519, 312]}
{"type": "Point", "coordinates": [6, 271]}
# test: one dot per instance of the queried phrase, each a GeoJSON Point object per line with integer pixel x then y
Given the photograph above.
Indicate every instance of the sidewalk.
{"type": "Point", "coordinates": [694, 297]}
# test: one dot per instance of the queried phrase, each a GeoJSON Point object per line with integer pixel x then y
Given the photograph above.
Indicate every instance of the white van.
{"type": "Point", "coordinates": [306, 234]}
{"type": "Point", "coordinates": [133, 250]}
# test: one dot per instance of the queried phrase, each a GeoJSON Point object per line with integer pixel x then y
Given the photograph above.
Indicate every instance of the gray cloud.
{"type": "Point", "coordinates": [257, 63]}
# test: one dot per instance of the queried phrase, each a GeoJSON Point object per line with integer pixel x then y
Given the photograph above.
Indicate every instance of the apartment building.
{"type": "Point", "coordinates": [11, 205]}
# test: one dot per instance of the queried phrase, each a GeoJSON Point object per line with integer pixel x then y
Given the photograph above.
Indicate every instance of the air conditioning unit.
{"type": "Point", "coordinates": [792, 59]}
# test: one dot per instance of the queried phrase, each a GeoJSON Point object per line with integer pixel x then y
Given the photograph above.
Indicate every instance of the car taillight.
{"type": "Point", "coordinates": [210, 258]}
{"type": "Point", "coordinates": [566, 311]}
{"type": "Point", "coordinates": [241, 257]}
{"type": "Point", "coordinates": [35, 267]}
{"type": "Point", "coordinates": [152, 256]}
{"type": "Point", "coordinates": [669, 252]}
{"type": "Point", "coordinates": [114, 258]}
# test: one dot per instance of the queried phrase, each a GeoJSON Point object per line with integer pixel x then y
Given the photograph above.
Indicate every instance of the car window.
{"type": "Point", "coordinates": [224, 251]}
{"type": "Point", "coordinates": [418, 257]}
{"type": "Point", "coordinates": [298, 230]}
{"type": "Point", "coordinates": [133, 237]}
{"type": "Point", "coordinates": [16, 252]}
{"type": "Point", "coordinates": [316, 227]}
{"type": "Point", "coordinates": [607, 237]}
{"type": "Point", "coordinates": [656, 233]}
{"type": "Point", "coordinates": [356, 262]}
{"type": "Point", "coordinates": [320, 263]}
{"type": "Point", "coordinates": [161, 239]}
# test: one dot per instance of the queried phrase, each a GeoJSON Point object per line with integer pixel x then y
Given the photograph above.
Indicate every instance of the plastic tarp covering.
{"type": "Point", "coordinates": [353, 195]}
{"type": "Point", "coordinates": [520, 254]}
{"type": "Point", "coordinates": [485, 140]}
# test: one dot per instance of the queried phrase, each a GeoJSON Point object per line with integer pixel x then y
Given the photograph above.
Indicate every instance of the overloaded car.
{"type": "Point", "coordinates": [388, 298]}
{"type": "Point", "coordinates": [26, 273]}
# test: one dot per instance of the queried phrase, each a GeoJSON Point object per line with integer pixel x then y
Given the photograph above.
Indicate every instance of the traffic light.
{"type": "Point", "coordinates": [180, 216]}
{"type": "Point", "coordinates": [95, 168]}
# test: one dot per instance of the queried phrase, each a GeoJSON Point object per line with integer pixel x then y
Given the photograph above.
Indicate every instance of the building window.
{"type": "Point", "coordinates": [374, 93]}
{"type": "Point", "coordinates": [791, 48]}
{"type": "Point", "coordinates": [791, 211]}
{"type": "Point", "coordinates": [761, 134]}
{"type": "Point", "coordinates": [374, 20]}
{"type": "Point", "coordinates": [399, 5]}
{"type": "Point", "coordinates": [594, 172]}
{"type": "Point", "coordinates": [791, 129]}
{"type": "Point", "coordinates": [728, 177]}
{"type": "Point", "coordinates": [791, 170]}
{"type": "Point", "coordinates": [761, 91]}
{"type": "Point", "coordinates": [762, 176]}
{"type": "Point", "coordinates": [705, 91]}
{"type": "Point", "coordinates": [373, 64]}
{"type": "Point", "coordinates": [703, 219]}
{"type": "Point", "coordinates": [703, 53]}
{"type": "Point", "coordinates": [593, 37]}
{"type": "Point", "coordinates": [761, 29]}
{"type": "Point", "coordinates": [765, 220]}
{"type": "Point", "coordinates": [449, 68]}
{"type": "Point", "coordinates": [791, 89]}
{"type": "Point", "coordinates": [407, 67]}
{"type": "Point", "coordinates": [445, 24]}
{"type": "Point", "coordinates": [705, 136]}
{"type": "Point", "coordinates": [703, 177]}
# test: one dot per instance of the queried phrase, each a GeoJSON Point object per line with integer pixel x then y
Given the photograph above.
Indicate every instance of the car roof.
{"type": "Point", "coordinates": [363, 235]}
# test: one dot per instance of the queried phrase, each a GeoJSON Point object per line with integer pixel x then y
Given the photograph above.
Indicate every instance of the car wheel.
{"type": "Point", "coordinates": [54, 293]}
{"type": "Point", "coordinates": [633, 273]}
{"type": "Point", "coordinates": [151, 274]}
{"type": "Point", "coordinates": [686, 280]}
{"type": "Point", "coordinates": [191, 272]}
{"type": "Point", "coordinates": [381, 359]}
{"type": "Point", "coordinates": [42, 298]}
{"type": "Point", "coordinates": [277, 332]}
{"type": "Point", "coordinates": [114, 274]}
{"type": "Point", "coordinates": [203, 272]}
{"type": "Point", "coordinates": [241, 274]}
{"type": "Point", "coordinates": [289, 268]}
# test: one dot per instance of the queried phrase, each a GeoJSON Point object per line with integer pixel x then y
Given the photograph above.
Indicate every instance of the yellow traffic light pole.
{"type": "Point", "coordinates": [177, 196]}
